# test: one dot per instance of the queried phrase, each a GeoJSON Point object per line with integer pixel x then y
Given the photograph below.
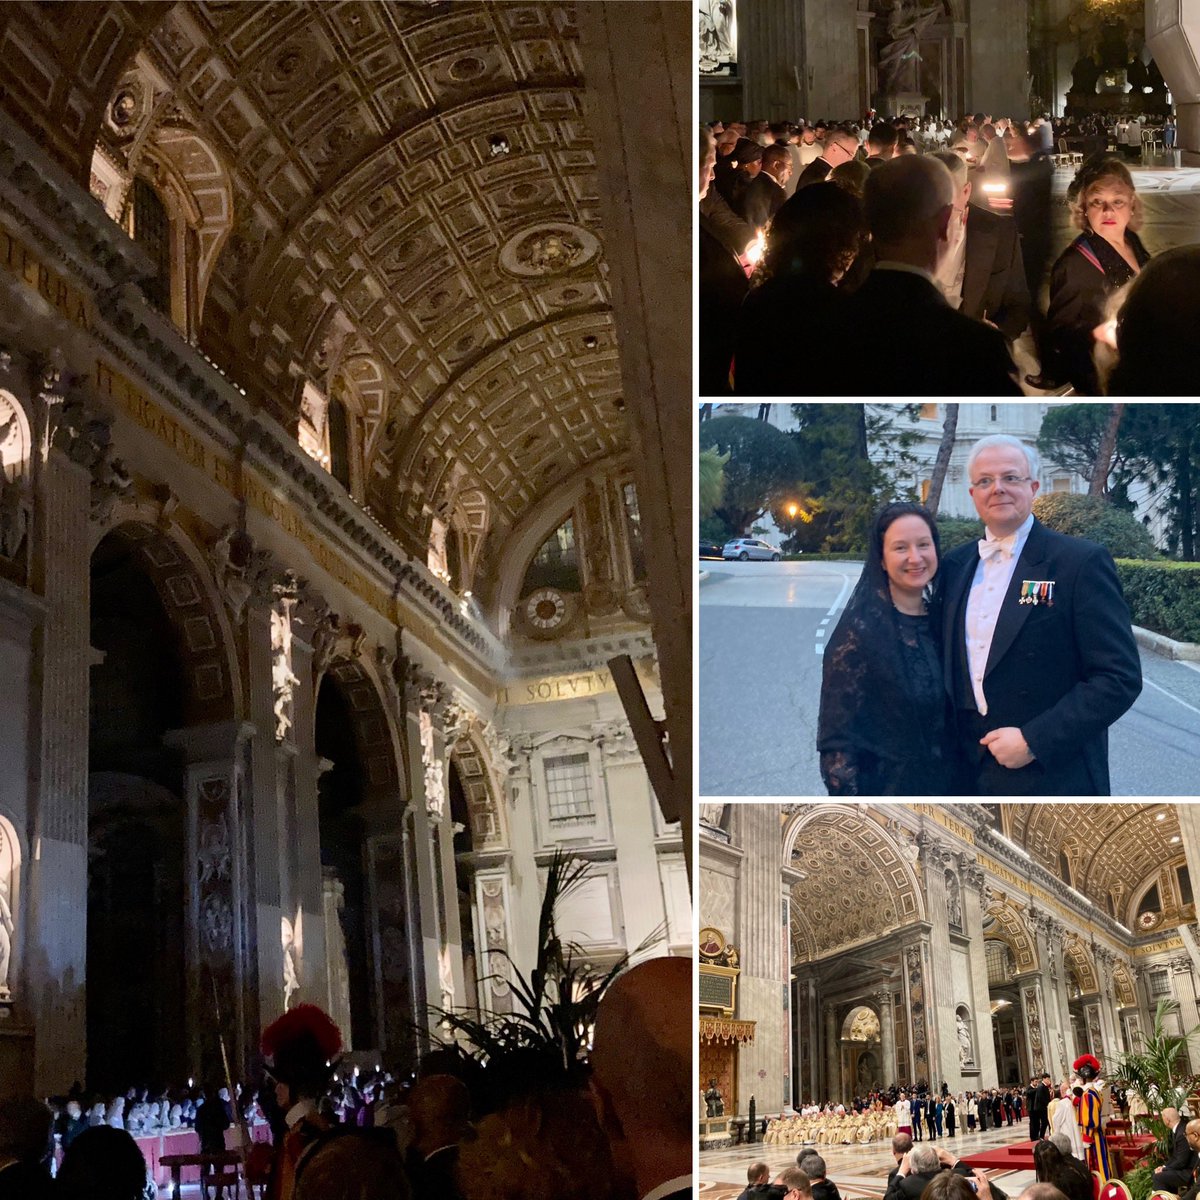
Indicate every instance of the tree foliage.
{"type": "Point", "coordinates": [1163, 442]}
{"type": "Point", "coordinates": [712, 479]}
{"type": "Point", "coordinates": [853, 458]}
{"type": "Point", "coordinates": [1120, 533]}
{"type": "Point", "coordinates": [1071, 436]}
{"type": "Point", "coordinates": [761, 469]}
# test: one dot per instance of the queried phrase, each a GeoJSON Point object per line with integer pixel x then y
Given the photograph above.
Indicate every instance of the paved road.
{"type": "Point", "coordinates": [762, 629]}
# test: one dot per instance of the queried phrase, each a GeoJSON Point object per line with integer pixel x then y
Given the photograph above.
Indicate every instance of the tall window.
{"type": "Point", "coordinates": [633, 523]}
{"type": "Point", "coordinates": [151, 229]}
{"type": "Point", "coordinates": [569, 790]}
{"type": "Point", "coordinates": [339, 443]}
{"type": "Point", "coordinates": [1159, 983]}
{"type": "Point", "coordinates": [556, 564]}
{"type": "Point", "coordinates": [998, 958]}
{"type": "Point", "coordinates": [1185, 885]}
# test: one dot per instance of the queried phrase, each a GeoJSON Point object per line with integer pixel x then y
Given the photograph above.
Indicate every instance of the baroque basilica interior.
{"type": "Point", "coordinates": [344, 490]}
{"type": "Point", "coordinates": [856, 947]}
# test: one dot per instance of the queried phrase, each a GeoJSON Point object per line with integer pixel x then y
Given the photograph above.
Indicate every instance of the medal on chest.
{"type": "Point", "coordinates": [1037, 591]}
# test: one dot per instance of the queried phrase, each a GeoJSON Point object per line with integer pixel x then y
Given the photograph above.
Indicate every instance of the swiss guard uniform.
{"type": "Point", "coordinates": [1089, 1115]}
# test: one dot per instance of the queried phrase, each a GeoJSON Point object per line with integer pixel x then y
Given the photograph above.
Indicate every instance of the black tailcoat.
{"type": "Point", "coordinates": [1062, 673]}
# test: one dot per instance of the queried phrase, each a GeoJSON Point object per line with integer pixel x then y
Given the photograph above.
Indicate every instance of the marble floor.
{"type": "Point", "coordinates": [860, 1172]}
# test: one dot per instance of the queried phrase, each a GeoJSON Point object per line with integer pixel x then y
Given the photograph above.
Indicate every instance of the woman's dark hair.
{"type": "Point", "coordinates": [891, 513]}
{"type": "Point", "coordinates": [817, 232]}
{"type": "Point", "coordinates": [102, 1163]}
{"type": "Point", "coordinates": [1047, 1158]}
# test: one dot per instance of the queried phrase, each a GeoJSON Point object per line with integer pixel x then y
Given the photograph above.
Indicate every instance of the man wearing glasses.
{"type": "Point", "coordinates": [1039, 655]}
{"type": "Point", "coordinates": [840, 146]}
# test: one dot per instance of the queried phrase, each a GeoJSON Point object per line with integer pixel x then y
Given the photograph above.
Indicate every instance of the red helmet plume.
{"type": "Point", "coordinates": [301, 1046]}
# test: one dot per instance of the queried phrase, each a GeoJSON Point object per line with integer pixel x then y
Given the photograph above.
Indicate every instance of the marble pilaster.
{"type": "Point", "coordinates": [940, 1001]}
{"type": "Point", "coordinates": [887, 1035]}
{"type": "Point", "coordinates": [56, 945]}
{"type": "Point", "coordinates": [981, 1007]}
{"type": "Point", "coordinates": [760, 941]}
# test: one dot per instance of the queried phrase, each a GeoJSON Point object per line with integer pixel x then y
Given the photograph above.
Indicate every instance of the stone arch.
{"type": "Point", "coordinates": [16, 439]}
{"type": "Point", "coordinates": [374, 733]}
{"type": "Point", "coordinates": [206, 642]}
{"type": "Point", "coordinates": [1078, 958]}
{"type": "Point", "coordinates": [861, 1024]}
{"type": "Point", "coordinates": [524, 541]}
{"type": "Point", "coordinates": [1123, 986]}
{"type": "Point", "coordinates": [489, 829]}
{"type": "Point", "coordinates": [203, 181]}
{"type": "Point", "coordinates": [859, 885]}
{"type": "Point", "coordinates": [1004, 922]}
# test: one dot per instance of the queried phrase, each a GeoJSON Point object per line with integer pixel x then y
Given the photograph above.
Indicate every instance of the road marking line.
{"type": "Point", "coordinates": [820, 633]}
{"type": "Point", "coordinates": [1184, 662]}
{"type": "Point", "coordinates": [1189, 707]}
{"type": "Point", "coordinates": [820, 647]}
{"type": "Point", "coordinates": [825, 622]}
{"type": "Point", "coordinates": [841, 595]}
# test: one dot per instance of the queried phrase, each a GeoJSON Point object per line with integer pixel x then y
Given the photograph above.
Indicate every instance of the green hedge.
{"type": "Point", "coordinates": [957, 531]}
{"type": "Point", "coordinates": [849, 556]}
{"type": "Point", "coordinates": [1163, 596]}
{"type": "Point", "coordinates": [1119, 532]}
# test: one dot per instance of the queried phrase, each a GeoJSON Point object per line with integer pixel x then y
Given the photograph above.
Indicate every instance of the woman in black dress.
{"type": "Point", "coordinates": [883, 728]}
{"type": "Point", "coordinates": [1105, 256]}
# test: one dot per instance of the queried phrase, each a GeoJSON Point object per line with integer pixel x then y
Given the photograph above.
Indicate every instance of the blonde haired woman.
{"type": "Point", "coordinates": [1105, 256]}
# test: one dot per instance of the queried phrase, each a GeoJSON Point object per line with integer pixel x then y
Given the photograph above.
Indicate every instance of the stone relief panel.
{"type": "Point", "coordinates": [1032, 1005]}
{"type": "Point", "coordinates": [493, 905]}
{"type": "Point", "coordinates": [218, 937]}
{"type": "Point", "coordinates": [914, 966]}
{"type": "Point", "coordinates": [388, 872]}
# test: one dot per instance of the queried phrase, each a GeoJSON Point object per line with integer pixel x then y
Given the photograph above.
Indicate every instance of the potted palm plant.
{"type": "Point", "coordinates": [1158, 1074]}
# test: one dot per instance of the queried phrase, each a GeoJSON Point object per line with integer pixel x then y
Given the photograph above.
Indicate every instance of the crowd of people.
{"type": "Point", "coordinates": [1065, 1127]}
{"type": "Point", "coordinates": [524, 1125]}
{"type": "Point", "coordinates": [931, 240]}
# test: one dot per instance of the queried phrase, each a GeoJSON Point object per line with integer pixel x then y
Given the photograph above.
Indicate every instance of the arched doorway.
{"type": "Point", "coordinates": [136, 976]}
{"type": "Point", "coordinates": [343, 831]}
{"type": "Point", "coordinates": [861, 1063]}
{"type": "Point", "coordinates": [161, 677]}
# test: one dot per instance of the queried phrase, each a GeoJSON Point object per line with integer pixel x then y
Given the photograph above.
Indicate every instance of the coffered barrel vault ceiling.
{"type": "Point", "coordinates": [400, 197]}
{"type": "Point", "coordinates": [1118, 846]}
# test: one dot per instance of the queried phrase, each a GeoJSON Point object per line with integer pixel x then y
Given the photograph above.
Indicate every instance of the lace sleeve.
{"type": "Point", "coordinates": [839, 770]}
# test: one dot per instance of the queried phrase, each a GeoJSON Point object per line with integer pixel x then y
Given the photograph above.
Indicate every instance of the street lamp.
{"type": "Point", "coordinates": [792, 509]}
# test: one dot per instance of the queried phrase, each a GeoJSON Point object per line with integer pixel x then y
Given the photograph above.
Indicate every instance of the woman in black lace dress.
{"type": "Point", "coordinates": [883, 728]}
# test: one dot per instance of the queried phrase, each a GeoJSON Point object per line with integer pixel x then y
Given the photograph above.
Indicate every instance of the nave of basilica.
{"type": "Point", "coordinates": [344, 490]}
{"type": "Point", "coordinates": [852, 948]}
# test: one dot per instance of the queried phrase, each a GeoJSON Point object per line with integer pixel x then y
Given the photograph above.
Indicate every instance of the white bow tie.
{"type": "Point", "coordinates": [991, 547]}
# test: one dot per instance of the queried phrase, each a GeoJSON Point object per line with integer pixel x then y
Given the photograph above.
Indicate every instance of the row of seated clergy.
{"type": "Point", "coordinates": [829, 1129]}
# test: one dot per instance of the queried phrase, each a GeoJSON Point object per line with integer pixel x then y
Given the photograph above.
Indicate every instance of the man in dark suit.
{"type": "Point", "coordinates": [918, 1115]}
{"type": "Point", "coordinates": [909, 202]}
{"type": "Point", "coordinates": [881, 144]}
{"type": "Point", "coordinates": [813, 1165]}
{"type": "Point", "coordinates": [983, 276]}
{"type": "Point", "coordinates": [764, 193]}
{"type": "Point", "coordinates": [1039, 1109]}
{"type": "Point", "coordinates": [1040, 654]}
{"type": "Point", "coordinates": [1176, 1173]}
{"type": "Point", "coordinates": [840, 146]}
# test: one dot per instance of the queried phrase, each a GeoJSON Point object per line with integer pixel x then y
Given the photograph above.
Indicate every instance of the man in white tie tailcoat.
{"type": "Point", "coordinates": [1039, 655]}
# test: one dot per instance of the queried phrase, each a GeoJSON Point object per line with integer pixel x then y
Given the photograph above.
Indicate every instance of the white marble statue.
{"type": "Point", "coordinates": [966, 1052]}
{"type": "Point", "coordinates": [7, 931]}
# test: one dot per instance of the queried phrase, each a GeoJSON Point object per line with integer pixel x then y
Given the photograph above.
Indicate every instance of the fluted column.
{"type": "Point", "coordinates": [56, 946]}
{"type": "Point", "coordinates": [833, 1058]}
{"type": "Point", "coordinates": [974, 881]}
{"type": "Point", "coordinates": [887, 1035]}
{"type": "Point", "coordinates": [762, 936]}
{"type": "Point", "coordinates": [940, 1000]}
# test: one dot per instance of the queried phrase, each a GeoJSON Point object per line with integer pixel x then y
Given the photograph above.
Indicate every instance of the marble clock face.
{"type": "Point", "coordinates": [545, 608]}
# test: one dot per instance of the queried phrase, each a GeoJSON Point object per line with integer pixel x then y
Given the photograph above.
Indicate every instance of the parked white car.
{"type": "Point", "coordinates": [746, 548]}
